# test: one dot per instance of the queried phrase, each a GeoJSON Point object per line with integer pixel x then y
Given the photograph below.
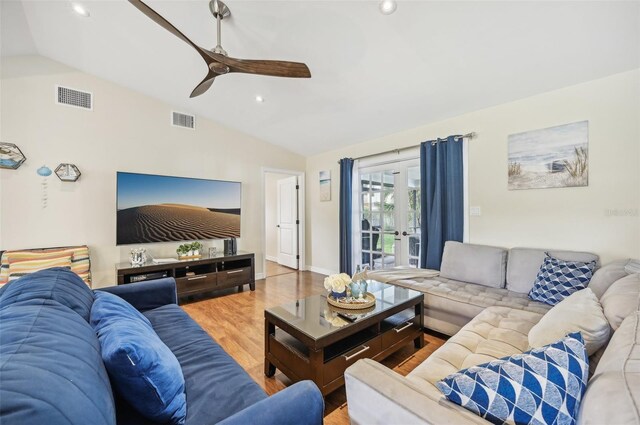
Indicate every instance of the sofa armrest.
{"type": "Point", "coordinates": [378, 395]}
{"type": "Point", "coordinates": [147, 295]}
{"type": "Point", "coordinates": [299, 404]}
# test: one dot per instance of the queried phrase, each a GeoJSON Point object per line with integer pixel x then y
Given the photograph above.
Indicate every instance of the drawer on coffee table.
{"type": "Point", "coordinates": [334, 368]}
{"type": "Point", "coordinates": [196, 283]}
{"type": "Point", "coordinates": [398, 333]}
{"type": "Point", "coordinates": [398, 327]}
{"type": "Point", "coordinates": [234, 277]}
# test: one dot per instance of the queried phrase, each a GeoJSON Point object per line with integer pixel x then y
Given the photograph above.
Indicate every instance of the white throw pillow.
{"type": "Point", "coordinates": [579, 312]}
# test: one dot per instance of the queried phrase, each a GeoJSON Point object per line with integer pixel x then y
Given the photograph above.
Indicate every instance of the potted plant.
{"type": "Point", "coordinates": [183, 250]}
{"type": "Point", "coordinates": [196, 247]}
{"type": "Point", "coordinates": [337, 285]}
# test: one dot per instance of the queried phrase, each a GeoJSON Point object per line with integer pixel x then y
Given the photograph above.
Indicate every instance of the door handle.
{"type": "Point", "coordinates": [396, 233]}
{"type": "Point", "coordinates": [277, 225]}
{"type": "Point", "coordinates": [404, 233]}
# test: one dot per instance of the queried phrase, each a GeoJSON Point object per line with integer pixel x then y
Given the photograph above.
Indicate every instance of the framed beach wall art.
{"type": "Point", "coordinates": [325, 186]}
{"type": "Point", "coordinates": [549, 158]}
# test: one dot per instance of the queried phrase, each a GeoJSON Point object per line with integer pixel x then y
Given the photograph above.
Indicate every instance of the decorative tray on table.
{"type": "Point", "coordinates": [351, 303]}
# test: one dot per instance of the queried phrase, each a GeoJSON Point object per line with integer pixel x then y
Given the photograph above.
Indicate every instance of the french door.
{"type": "Point", "coordinates": [390, 205]}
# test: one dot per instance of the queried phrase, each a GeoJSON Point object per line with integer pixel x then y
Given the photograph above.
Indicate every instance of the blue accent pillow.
{"type": "Point", "coordinates": [541, 386]}
{"type": "Point", "coordinates": [557, 279]}
{"type": "Point", "coordinates": [142, 368]}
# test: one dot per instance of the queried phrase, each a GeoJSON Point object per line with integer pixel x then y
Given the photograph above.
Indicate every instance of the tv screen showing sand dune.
{"type": "Point", "coordinates": [155, 208]}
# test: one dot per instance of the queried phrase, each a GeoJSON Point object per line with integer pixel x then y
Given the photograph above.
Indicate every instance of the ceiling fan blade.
{"type": "Point", "coordinates": [267, 67]}
{"type": "Point", "coordinates": [204, 85]}
{"type": "Point", "coordinates": [155, 17]}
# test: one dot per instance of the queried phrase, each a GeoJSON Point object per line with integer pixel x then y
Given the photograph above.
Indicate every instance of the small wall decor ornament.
{"type": "Point", "coordinates": [68, 172]}
{"type": "Point", "coordinates": [11, 157]}
{"type": "Point", "coordinates": [44, 172]}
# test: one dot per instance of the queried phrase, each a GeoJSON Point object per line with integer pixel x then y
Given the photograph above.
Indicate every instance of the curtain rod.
{"type": "Point", "coordinates": [398, 150]}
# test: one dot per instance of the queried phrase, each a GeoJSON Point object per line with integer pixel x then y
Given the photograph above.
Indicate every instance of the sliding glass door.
{"type": "Point", "coordinates": [390, 205]}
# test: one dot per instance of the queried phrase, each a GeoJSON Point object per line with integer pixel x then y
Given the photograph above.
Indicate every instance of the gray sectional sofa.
{"type": "Point", "coordinates": [480, 298]}
{"type": "Point", "coordinates": [474, 277]}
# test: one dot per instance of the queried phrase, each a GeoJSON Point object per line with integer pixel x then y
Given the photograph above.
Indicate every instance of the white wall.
{"type": "Point", "coordinates": [602, 218]}
{"type": "Point", "coordinates": [126, 131]}
{"type": "Point", "coordinates": [271, 213]}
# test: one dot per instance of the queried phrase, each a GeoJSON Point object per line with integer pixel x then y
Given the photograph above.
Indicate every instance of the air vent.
{"type": "Point", "coordinates": [179, 119]}
{"type": "Point", "coordinates": [75, 98]}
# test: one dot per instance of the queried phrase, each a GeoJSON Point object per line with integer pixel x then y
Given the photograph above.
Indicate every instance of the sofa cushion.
{"type": "Point", "coordinates": [494, 333]}
{"type": "Point", "coordinates": [524, 264]}
{"type": "Point", "coordinates": [579, 312]}
{"type": "Point", "coordinates": [50, 365]}
{"type": "Point", "coordinates": [450, 304]}
{"type": "Point", "coordinates": [481, 264]}
{"type": "Point", "coordinates": [604, 277]}
{"type": "Point", "coordinates": [613, 394]}
{"type": "Point", "coordinates": [142, 368]}
{"type": "Point", "coordinates": [621, 299]}
{"type": "Point", "coordinates": [557, 279]}
{"type": "Point", "coordinates": [57, 284]}
{"type": "Point", "coordinates": [542, 386]}
{"type": "Point", "coordinates": [215, 384]}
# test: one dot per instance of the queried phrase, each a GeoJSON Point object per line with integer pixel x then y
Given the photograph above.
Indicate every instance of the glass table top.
{"type": "Point", "coordinates": [316, 318]}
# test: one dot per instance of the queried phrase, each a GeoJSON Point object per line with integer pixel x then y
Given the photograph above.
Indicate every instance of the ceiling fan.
{"type": "Point", "coordinates": [217, 60]}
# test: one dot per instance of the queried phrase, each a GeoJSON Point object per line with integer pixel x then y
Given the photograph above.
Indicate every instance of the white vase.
{"type": "Point", "coordinates": [196, 252]}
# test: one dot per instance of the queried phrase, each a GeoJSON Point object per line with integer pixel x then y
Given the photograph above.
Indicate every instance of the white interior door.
{"type": "Point", "coordinates": [288, 222]}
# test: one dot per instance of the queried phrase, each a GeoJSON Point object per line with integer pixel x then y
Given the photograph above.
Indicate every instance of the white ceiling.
{"type": "Point", "coordinates": [372, 75]}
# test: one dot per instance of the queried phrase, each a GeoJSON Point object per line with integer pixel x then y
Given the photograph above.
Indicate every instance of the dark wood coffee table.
{"type": "Point", "coordinates": [310, 339]}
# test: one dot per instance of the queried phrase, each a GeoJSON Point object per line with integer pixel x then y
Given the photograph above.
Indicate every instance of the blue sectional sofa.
{"type": "Point", "coordinates": [52, 372]}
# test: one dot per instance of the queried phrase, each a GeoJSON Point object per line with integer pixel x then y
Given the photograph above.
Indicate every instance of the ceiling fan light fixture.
{"type": "Point", "coordinates": [259, 99]}
{"type": "Point", "coordinates": [387, 7]}
{"type": "Point", "coordinates": [81, 10]}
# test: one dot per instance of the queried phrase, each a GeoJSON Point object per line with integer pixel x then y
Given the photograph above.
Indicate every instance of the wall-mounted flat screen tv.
{"type": "Point", "coordinates": [152, 208]}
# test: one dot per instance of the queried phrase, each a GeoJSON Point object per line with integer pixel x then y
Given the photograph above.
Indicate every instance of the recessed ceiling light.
{"type": "Point", "coordinates": [259, 99]}
{"type": "Point", "coordinates": [81, 10]}
{"type": "Point", "coordinates": [387, 7]}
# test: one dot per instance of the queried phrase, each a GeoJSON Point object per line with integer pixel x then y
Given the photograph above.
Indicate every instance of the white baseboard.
{"type": "Point", "coordinates": [260, 276]}
{"type": "Point", "coordinates": [320, 270]}
{"type": "Point", "coordinates": [271, 258]}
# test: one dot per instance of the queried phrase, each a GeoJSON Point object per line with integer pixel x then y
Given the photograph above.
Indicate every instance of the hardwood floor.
{"type": "Point", "coordinates": [236, 321]}
{"type": "Point", "coordinates": [275, 269]}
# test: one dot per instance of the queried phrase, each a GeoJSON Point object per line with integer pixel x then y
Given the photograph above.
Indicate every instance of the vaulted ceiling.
{"type": "Point", "coordinates": [372, 74]}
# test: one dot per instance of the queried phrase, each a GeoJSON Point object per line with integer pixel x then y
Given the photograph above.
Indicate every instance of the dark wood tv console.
{"type": "Point", "coordinates": [193, 277]}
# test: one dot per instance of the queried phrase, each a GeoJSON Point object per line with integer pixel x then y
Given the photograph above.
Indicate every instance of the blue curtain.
{"type": "Point", "coordinates": [442, 207]}
{"type": "Point", "coordinates": [346, 184]}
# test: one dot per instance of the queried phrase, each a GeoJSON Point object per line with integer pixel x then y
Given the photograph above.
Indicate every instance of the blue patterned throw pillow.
{"type": "Point", "coordinates": [541, 386]}
{"type": "Point", "coordinates": [557, 279]}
